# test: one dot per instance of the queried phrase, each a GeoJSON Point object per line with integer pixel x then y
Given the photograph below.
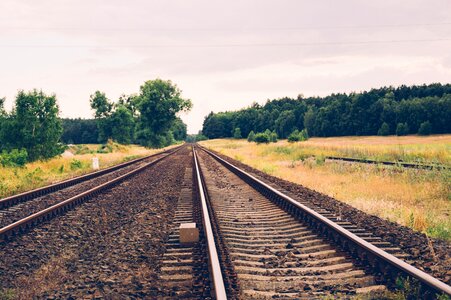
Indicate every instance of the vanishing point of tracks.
{"type": "Point", "coordinates": [255, 242]}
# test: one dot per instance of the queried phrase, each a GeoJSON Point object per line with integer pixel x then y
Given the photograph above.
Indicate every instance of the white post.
{"type": "Point", "coordinates": [95, 163]}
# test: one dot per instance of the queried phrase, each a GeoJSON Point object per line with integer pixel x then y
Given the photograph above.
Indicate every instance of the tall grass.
{"type": "Point", "coordinates": [419, 199]}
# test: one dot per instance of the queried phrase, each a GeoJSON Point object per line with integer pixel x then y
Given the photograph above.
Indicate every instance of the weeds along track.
{"type": "Point", "coordinates": [22, 211]}
{"type": "Point", "coordinates": [276, 247]}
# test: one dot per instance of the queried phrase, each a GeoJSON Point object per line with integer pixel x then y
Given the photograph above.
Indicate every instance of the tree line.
{"type": "Point", "coordinates": [423, 109]}
{"type": "Point", "coordinates": [86, 131]}
{"type": "Point", "coordinates": [33, 129]}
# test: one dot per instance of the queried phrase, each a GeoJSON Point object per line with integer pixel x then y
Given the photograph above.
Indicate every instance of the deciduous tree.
{"type": "Point", "coordinates": [158, 103]}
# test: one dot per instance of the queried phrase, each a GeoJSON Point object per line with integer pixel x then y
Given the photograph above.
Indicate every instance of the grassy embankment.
{"type": "Point", "coordinates": [419, 199]}
{"type": "Point", "coordinates": [77, 160]}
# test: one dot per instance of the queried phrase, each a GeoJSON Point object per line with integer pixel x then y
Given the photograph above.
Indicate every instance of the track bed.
{"type": "Point", "coordinates": [275, 255]}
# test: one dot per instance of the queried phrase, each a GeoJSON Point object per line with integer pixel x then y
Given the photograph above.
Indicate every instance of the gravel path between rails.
{"type": "Point", "coordinates": [109, 247]}
{"type": "Point", "coordinates": [430, 255]}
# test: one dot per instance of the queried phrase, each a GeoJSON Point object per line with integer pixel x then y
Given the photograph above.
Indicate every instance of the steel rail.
{"type": "Point", "coordinates": [344, 234]}
{"type": "Point", "coordinates": [59, 208]}
{"type": "Point", "coordinates": [216, 272]}
{"type": "Point", "coordinates": [22, 197]}
{"type": "Point", "coordinates": [389, 163]}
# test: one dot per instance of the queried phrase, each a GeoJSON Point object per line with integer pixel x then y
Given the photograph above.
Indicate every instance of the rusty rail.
{"type": "Point", "coordinates": [372, 255]}
{"type": "Point", "coordinates": [61, 207]}
{"type": "Point", "coordinates": [215, 267]}
{"type": "Point", "coordinates": [22, 197]}
{"type": "Point", "coordinates": [390, 163]}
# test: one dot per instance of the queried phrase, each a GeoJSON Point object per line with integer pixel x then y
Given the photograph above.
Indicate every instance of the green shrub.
{"type": "Point", "coordinates": [273, 137]}
{"type": "Point", "coordinates": [294, 136]}
{"type": "Point", "coordinates": [14, 158]}
{"type": "Point", "coordinates": [425, 128]}
{"type": "Point", "coordinates": [384, 130]}
{"type": "Point", "coordinates": [237, 133]}
{"type": "Point", "coordinates": [251, 136]}
{"type": "Point", "coordinates": [320, 160]}
{"type": "Point", "coordinates": [262, 138]}
{"type": "Point", "coordinates": [304, 134]}
{"type": "Point", "coordinates": [402, 129]}
{"type": "Point", "coordinates": [201, 137]}
{"type": "Point", "coordinates": [298, 136]}
{"type": "Point", "coordinates": [76, 164]}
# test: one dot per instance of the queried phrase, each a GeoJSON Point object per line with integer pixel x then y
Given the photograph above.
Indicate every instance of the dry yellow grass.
{"type": "Point", "coordinates": [41, 173]}
{"type": "Point", "coordinates": [428, 149]}
{"type": "Point", "coordinates": [415, 198]}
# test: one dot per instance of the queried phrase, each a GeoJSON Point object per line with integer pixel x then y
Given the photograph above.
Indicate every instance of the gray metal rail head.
{"type": "Point", "coordinates": [350, 242]}
{"type": "Point", "coordinates": [215, 267]}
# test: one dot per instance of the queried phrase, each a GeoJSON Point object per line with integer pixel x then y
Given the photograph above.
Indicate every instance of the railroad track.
{"type": "Point", "coordinates": [390, 163]}
{"type": "Point", "coordinates": [271, 246]}
{"type": "Point", "coordinates": [23, 211]}
{"type": "Point", "coordinates": [255, 242]}
{"type": "Point", "coordinates": [23, 197]}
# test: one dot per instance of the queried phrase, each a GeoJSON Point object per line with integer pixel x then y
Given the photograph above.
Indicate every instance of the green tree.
{"type": "Point", "coordinates": [309, 120]}
{"type": "Point", "coordinates": [384, 130]}
{"type": "Point", "coordinates": [179, 130]}
{"type": "Point", "coordinates": [425, 128]}
{"type": "Point", "coordinates": [103, 109]}
{"type": "Point", "coordinates": [237, 133]}
{"type": "Point", "coordinates": [2, 107]}
{"type": "Point", "coordinates": [285, 123]}
{"type": "Point", "coordinates": [122, 125]}
{"type": "Point", "coordinates": [158, 103]}
{"type": "Point", "coordinates": [402, 129]}
{"type": "Point", "coordinates": [129, 101]}
{"type": "Point", "coordinates": [37, 126]}
{"type": "Point", "coordinates": [101, 104]}
{"type": "Point", "coordinates": [251, 136]}
{"type": "Point", "coordinates": [80, 131]}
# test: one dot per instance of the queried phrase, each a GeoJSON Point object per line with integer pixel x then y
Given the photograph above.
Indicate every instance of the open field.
{"type": "Point", "coordinates": [424, 149]}
{"type": "Point", "coordinates": [77, 160]}
{"type": "Point", "coordinates": [418, 199]}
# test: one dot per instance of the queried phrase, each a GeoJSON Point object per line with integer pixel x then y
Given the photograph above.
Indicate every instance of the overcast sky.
{"type": "Point", "coordinates": [224, 55]}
